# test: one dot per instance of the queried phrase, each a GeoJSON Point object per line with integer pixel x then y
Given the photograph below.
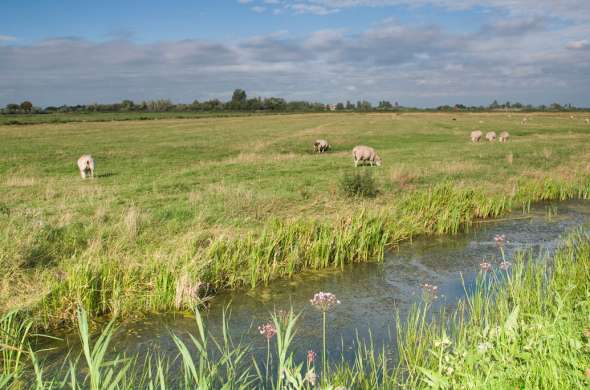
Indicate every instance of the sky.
{"type": "Point", "coordinates": [416, 52]}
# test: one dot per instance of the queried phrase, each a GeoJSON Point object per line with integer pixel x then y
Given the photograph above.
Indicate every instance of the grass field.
{"type": "Point", "coordinates": [68, 117]}
{"type": "Point", "coordinates": [183, 207]}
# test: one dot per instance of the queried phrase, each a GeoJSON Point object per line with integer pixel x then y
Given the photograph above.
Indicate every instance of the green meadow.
{"type": "Point", "coordinates": [183, 208]}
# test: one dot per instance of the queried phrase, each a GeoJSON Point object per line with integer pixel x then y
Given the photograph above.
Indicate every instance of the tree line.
{"type": "Point", "coordinates": [240, 102]}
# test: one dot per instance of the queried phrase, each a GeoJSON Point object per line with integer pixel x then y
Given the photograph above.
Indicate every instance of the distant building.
{"type": "Point", "coordinates": [331, 107]}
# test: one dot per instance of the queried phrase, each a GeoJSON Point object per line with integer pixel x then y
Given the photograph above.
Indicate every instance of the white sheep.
{"type": "Point", "coordinates": [365, 154]}
{"type": "Point", "coordinates": [476, 136]}
{"type": "Point", "coordinates": [86, 165]}
{"type": "Point", "coordinates": [491, 136]}
{"type": "Point", "coordinates": [321, 146]}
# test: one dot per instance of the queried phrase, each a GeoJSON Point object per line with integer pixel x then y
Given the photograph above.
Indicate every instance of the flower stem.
{"type": "Point", "coordinates": [267, 360]}
{"type": "Point", "coordinates": [324, 357]}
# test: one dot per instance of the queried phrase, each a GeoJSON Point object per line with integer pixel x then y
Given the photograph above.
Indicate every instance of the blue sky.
{"type": "Point", "coordinates": [418, 52]}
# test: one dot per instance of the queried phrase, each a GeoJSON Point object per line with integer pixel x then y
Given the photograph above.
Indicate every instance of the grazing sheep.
{"type": "Point", "coordinates": [476, 136]}
{"type": "Point", "coordinates": [491, 136]}
{"type": "Point", "coordinates": [572, 117]}
{"type": "Point", "coordinates": [524, 121]}
{"type": "Point", "coordinates": [587, 121]}
{"type": "Point", "coordinates": [504, 136]}
{"type": "Point", "coordinates": [321, 146]}
{"type": "Point", "coordinates": [365, 154]}
{"type": "Point", "coordinates": [86, 166]}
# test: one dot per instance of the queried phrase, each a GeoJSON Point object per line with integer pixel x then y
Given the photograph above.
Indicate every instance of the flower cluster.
{"type": "Point", "coordinates": [500, 239]}
{"type": "Point", "coordinates": [505, 265]}
{"type": "Point", "coordinates": [267, 330]}
{"type": "Point", "coordinates": [311, 355]}
{"type": "Point", "coordinates": [324, 301]}
{"type": "Point", "coordinates": [311, 377]}
{"type": "Point", "coordinates": [430, 289]}
{"type": "Point", "coordinates": [485, 266]}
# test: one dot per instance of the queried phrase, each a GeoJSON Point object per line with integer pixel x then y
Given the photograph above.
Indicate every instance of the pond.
{"type": "Point", "coordinates": [370, 293]}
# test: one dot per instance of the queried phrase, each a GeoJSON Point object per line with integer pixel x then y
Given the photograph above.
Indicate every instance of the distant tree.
{"type": "Point", "coordinates": [253, 104]}
{"type": "Point", "coordinates": [349, 105]}
{"type": "Point", "coordinates": [339, 106]}
{"type": "Point", "coordinates": [363, 105]}
{"type": "Point", "coordinates": [127, 105]}
{"type": "Point", "coordinates": [494, 105]}
{"type": "Point", "coordinates": [26, 106]}
{"type": "Point", "coordinates": [238, 99]}
{"type": "Point", "coordinates": [159, 105]}
{"type": "Point", "coordinates": [12, 108]}
{"type": "Point", "coordinates": [384, 105]}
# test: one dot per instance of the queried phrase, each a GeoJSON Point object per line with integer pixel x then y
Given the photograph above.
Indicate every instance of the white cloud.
{"type": "Point", "coordinates": [578, 45]}
{"type": "Point", "coordinates": [258, 9]}
{"type": "Point", "coordinates": [567, 9]}
{"type": "Point", "coordinates": [6, 38]}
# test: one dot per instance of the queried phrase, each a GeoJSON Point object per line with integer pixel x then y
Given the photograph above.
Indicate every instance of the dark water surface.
{"type": "Point", "coordinates": [370, 294]}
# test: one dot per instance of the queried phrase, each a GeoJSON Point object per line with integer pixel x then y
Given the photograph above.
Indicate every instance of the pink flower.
{"type": "Point", "coordinates": [505, 265]}
{"type": "Point", "coordinates": [500, 239]}
{"type": "Point", "coordinates": [267, 330]}
{"type": "Point", "coordinates": [485, 266]}
{"type": "Point", "coordinates": [430, 289]}
{"type": "Point", "coordinates": [311, 355]}
{"type": "Point", "coordinates": [324, 301]}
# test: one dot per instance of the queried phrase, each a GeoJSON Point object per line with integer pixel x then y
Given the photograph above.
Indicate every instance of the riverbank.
{"type": "Point", "coordinates": [523, 326]}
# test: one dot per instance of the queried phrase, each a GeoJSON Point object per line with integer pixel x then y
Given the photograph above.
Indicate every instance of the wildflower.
{"type": "Point", "coordinates": [587, 333]}
{"type": "Point", "coordinates": [267, 330]}
{"type": "Point", "coordinates": [311, 355]}
{"type": "Point", "coordinates": [485, 266]}
{"type": "Point", "coordinates": [430, 289]}
{"type": "Point", "coordinates": [311, 377]}
{"type": "Point", "coordinates": [442, 342]}
{"type": "Point", "coordinates": [450, 370]}
{"type": "Point", "coordinates": [505, 265]}
{"type": "Point", "coordinates": [588, 373]}
{"type": "Point", "coordinates": [483, 347]}
{"type": "Point", "coordinates": [500, 239]}
{"type": "Point", "coordinates": [324, 301]}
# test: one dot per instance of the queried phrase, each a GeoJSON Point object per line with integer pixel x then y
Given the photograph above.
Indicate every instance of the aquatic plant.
{"type": "Point", "coordinates": [325, 302]}
{"type": "Point", "coordinates": [430, 290]}
{"type": "Point", "coordinates": [505, 265]}
{"type": "Point", "coordinates": [485, 266]}
{"type": "Point", "coordinates": [268, 331]}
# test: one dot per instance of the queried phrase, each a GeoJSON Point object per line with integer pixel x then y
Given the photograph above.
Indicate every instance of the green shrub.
{"type": "Point", "coordinates": [358, 184]}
